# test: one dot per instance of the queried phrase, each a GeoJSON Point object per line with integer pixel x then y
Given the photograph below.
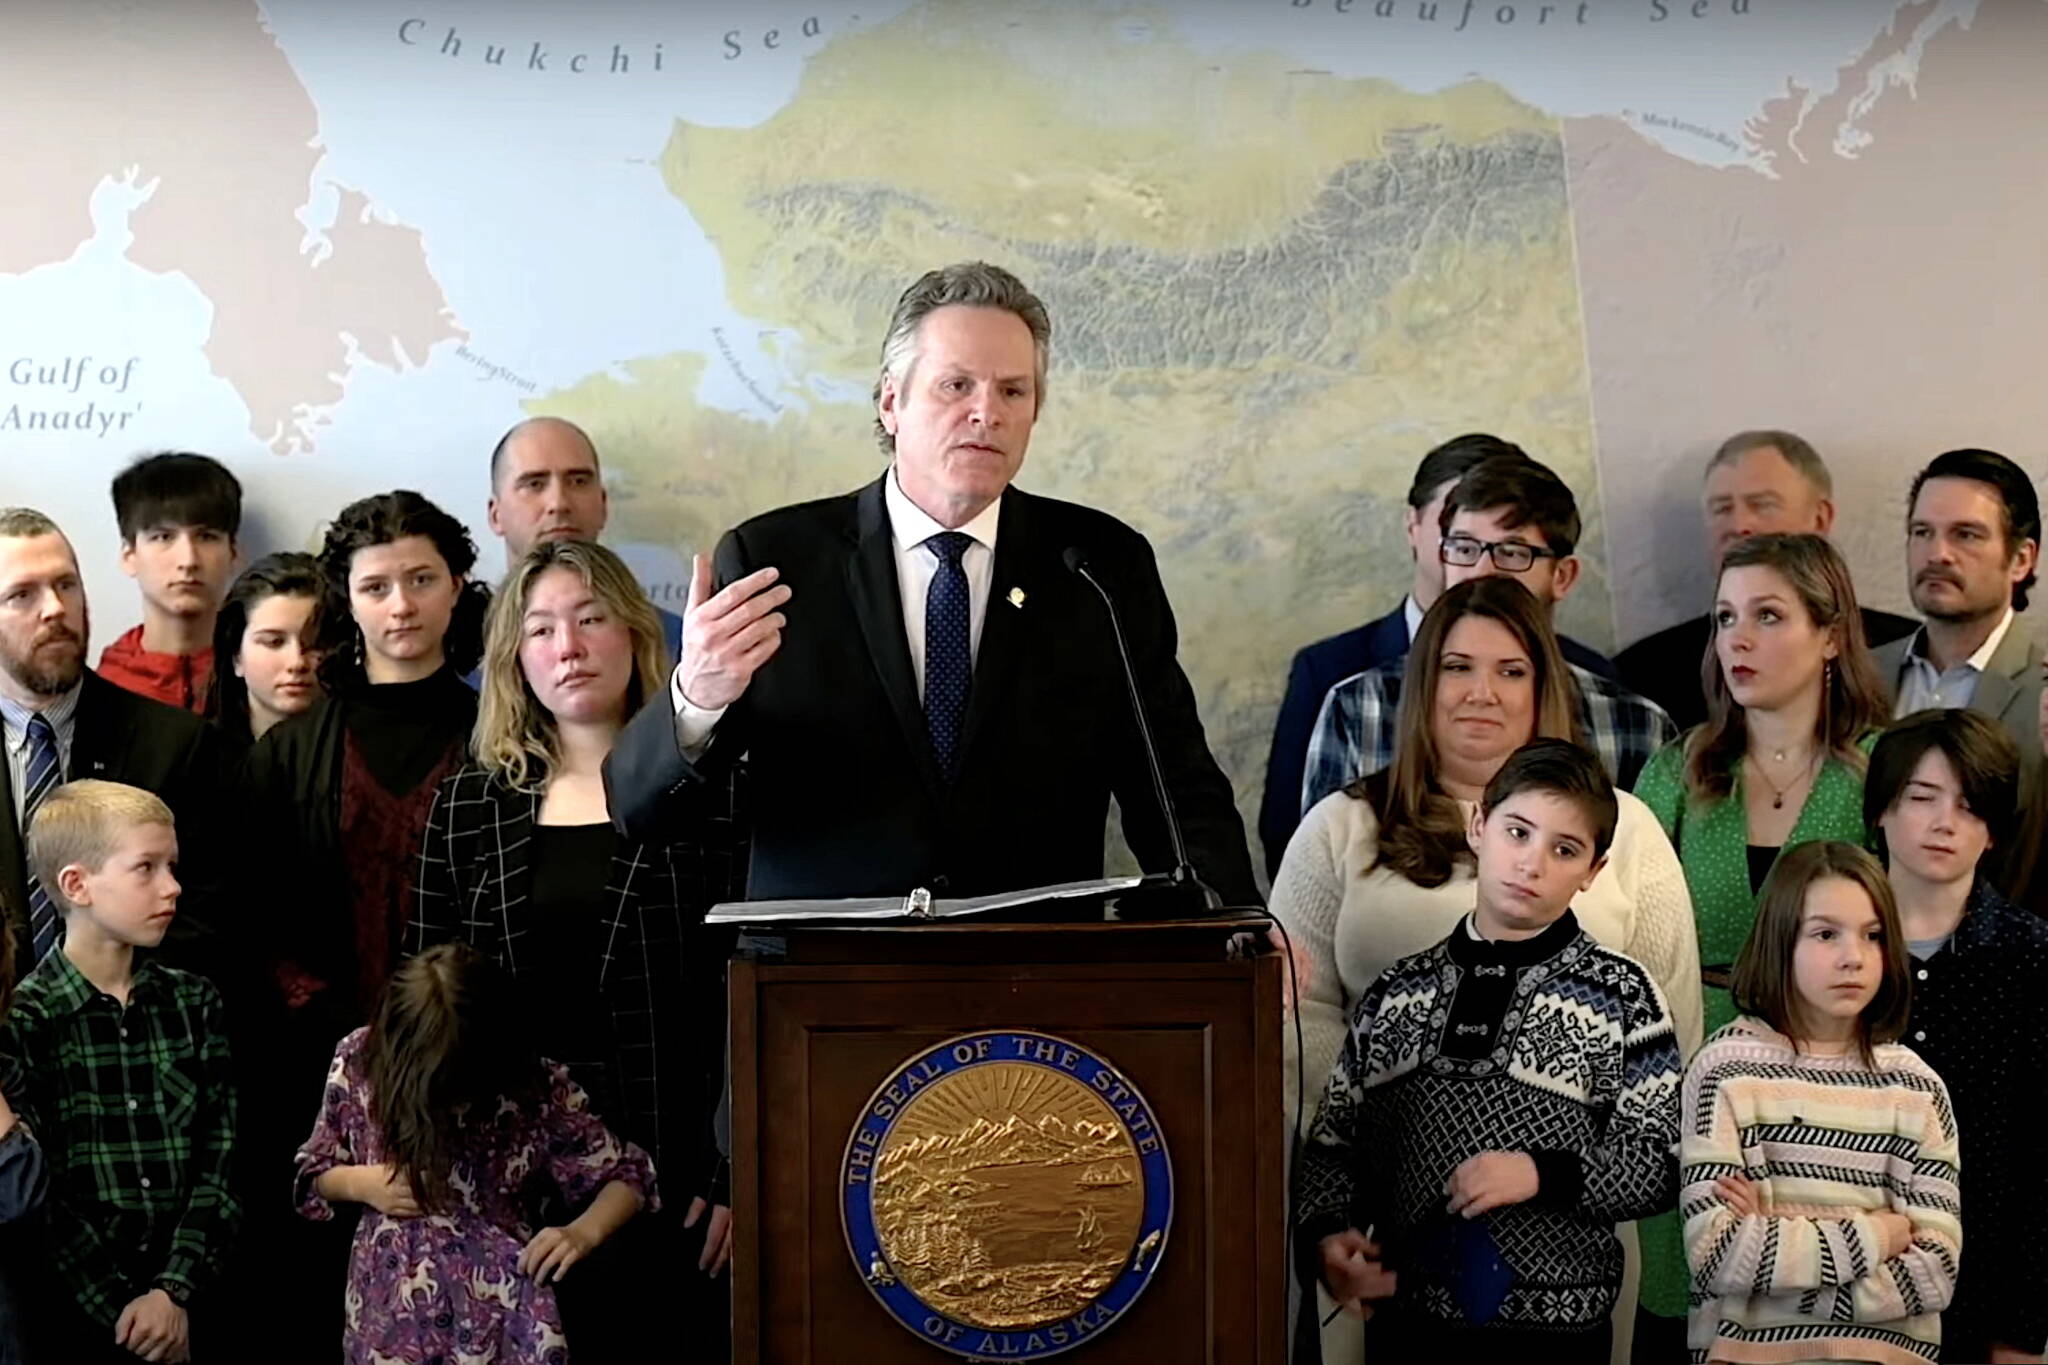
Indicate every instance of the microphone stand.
{"type": "Point", "coordinates": [1183, 881]}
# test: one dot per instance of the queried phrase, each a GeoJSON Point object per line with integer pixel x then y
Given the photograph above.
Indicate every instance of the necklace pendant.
{"type": "Point", "coordinates": [1778, 803]}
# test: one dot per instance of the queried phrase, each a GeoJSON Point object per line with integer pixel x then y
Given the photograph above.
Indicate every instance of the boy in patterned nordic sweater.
{"type": "Point", "coordinates": [1518, 1072]}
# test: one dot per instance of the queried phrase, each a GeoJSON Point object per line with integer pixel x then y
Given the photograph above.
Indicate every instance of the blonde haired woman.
{"type": "Point", "coordinates": [601, 934]}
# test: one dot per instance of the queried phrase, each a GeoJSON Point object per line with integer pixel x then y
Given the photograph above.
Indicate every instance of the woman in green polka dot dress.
{"type": "Point", "coordinates": [1793, 705]}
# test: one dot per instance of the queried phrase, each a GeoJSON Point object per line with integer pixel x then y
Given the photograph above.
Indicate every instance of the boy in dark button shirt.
{"type": "Point", "coordinates": [1941, 793]}
{"type": "Point", "coordinates": [128, 1088]}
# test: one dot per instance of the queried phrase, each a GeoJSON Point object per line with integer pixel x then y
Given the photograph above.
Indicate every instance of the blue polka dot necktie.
{"type": "Point", "coordinates": [948, 663]}
{"type": "Point", "coordinates": [43, 775]}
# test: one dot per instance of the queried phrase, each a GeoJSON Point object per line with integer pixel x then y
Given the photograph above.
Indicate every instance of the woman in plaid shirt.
{"type": "Point", "coordinates": [601, 934]}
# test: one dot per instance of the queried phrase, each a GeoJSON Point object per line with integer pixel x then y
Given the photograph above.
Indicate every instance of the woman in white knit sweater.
{"type": "Point", "coordinates": [1381, 869]}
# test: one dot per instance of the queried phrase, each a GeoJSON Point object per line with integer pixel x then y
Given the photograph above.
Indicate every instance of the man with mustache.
{"type": "Point", "coordinates": [60, 720]}
{"type": "Point", "coordinates": [926, 695]}
{"type": "Point", "coordinates": [1973, 542]}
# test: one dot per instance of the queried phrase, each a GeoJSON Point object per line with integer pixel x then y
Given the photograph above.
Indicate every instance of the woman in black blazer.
{"type": "Point", "coordinates": [603, 935]}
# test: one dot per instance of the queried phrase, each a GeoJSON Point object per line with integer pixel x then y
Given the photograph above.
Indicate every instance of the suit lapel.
{"type": "Point", "coordinates": [13, 857]}
{"type": "Point", "coordinates": [626, 860]}
{"type": "Point", "coordinates": [1014, 580]}
{"type": "Point", "coordinates": [877, 599]}
{"type": "Point", "coordinates": [511, 835]}
{"type": "Point", "coordinates": [2006, 673]}
{"type": "Point", "coordinates": [1994, 692]}
{"type": "Point", "coordinates": [97, 734]}
{"type": "Point", "coordinates": [1387, 638]}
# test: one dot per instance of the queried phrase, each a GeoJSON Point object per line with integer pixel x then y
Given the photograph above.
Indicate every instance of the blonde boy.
{"type": "Point", "coordinates": [129, 1087]}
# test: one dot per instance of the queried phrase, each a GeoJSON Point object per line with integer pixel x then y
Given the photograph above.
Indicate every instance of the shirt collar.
{"type": "Point", "coordinates": [1411, 615]}
{"type": "Point", "coordinates": [15, 717]}
{"type": "Point", "coordinates": [68, 991]}
{"type": "Point", "coordinates": [911, 526]}
{"type": "Point", "coordinates": [1470, 947]}
{"type": "Point", "coordinates": [1977, 662]}
{"type": "Point", "coordinates": [1979, 926]}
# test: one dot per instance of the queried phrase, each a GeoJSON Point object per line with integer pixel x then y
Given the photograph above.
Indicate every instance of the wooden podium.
{"type": "Point", "coordinates": [822, 1017]}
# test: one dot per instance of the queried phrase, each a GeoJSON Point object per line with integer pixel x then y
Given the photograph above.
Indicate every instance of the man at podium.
{"type": "Point", "coordinates": [925, 689]}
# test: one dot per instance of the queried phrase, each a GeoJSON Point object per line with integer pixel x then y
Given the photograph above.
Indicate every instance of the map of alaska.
{"type": "Point", "coordinates": [1269, 286]}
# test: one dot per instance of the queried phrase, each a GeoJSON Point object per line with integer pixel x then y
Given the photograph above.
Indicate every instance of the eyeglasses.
{"type": "Point", "coordinates": [1509, 556]}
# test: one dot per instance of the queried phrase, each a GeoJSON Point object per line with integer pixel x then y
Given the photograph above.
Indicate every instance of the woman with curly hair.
{"type": "Point", "coordinates": [337, 797]}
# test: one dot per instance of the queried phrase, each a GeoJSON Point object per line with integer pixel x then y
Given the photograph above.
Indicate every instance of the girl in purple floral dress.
{"type": "Point", "coordinates": [468, 1150]}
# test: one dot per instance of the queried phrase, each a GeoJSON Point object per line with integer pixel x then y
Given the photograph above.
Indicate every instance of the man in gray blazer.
{"type": "Point", "coordinates": [1973, 541]}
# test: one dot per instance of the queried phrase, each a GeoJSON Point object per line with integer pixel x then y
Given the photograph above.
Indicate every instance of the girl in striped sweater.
{"type": "Point", "coordinates": [1822, 1220]}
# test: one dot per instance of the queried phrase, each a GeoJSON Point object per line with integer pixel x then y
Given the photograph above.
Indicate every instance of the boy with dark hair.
{"type": "Point", "coordinates": [128, 1088]}
{"type": "Point", "coordinates": [1941, 794]}
{"type": "Point", "coordinates": [1517, 1072]}
{"type": "Point", "coordinates": [179, 516]}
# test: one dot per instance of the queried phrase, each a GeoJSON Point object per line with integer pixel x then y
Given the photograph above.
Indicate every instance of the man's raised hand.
{"type": "Point", "coordinates": [728, 634]}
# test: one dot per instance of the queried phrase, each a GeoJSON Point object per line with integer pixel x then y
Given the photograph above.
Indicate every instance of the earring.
{"type": "Point", "coordinates": [1827, 700]}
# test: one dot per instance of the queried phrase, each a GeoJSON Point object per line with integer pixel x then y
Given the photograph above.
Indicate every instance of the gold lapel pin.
{"type": "Point", "coordinates": [1016, 597]}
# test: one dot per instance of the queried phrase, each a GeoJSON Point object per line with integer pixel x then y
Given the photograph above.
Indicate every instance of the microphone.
{"type": "Point", "coordinates": [1183, 878]}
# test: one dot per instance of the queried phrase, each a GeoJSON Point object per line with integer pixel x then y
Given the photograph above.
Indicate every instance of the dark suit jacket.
{"type": "Point", "coordinates": [1665, 667]}
{"type": "Point", "coordinates": [1315, 670]}
{"type": "Point", "coordinates": [120, 737]}
{"type": "Point", "coordinates": [1318, 668]}
{"type": "Point", "coordinates": [662, 978]}
{"type": "Point", "coordinates": [846, 792]}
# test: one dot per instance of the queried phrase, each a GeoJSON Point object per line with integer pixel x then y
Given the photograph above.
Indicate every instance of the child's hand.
{"type": "Point", "coordinates": [386, 1190]}
{"type": "Point", "coordinates": [155, 1328]}
{"type": "Point", "coordinates": [1741, 1196]}
{"type": "Point", "coordinates": [553, 1251]}
{"type": "Point", "coordinates": [1896, 1229]}
{"type": "Point", "coordinates": [1352, 1272]}
{"type": "Point", "coordinates": [1491, 1180]}
{"type": "Point", "coordinates": [717, 1251]}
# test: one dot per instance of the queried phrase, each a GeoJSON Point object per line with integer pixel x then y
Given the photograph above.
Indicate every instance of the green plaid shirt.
{"type": "Point", "coordinates": [136, 1113]}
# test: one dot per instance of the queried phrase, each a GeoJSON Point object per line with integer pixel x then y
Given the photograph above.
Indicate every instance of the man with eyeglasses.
{"type": "Point", "coordinates": [1318, 667]}
{"type": "Point", "coordinates": [1509, 516]}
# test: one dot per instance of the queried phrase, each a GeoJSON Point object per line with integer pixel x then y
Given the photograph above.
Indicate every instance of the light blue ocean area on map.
{"type": "Point", "coordinates": [537, 192]}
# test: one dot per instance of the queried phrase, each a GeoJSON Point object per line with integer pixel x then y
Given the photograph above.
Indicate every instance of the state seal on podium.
{"type": "Point", "coordinates": [1006, 1195]}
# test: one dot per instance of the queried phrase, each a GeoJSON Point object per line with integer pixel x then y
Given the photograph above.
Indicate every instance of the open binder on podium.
{"type": "Point", "coordinates": [918, 905]}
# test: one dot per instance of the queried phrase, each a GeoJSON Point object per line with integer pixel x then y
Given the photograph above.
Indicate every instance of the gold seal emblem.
{"type": "Point", "coordinates": [1007, 1193]}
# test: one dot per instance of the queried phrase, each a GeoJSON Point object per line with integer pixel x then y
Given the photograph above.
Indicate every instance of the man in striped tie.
{"type": "Point", "coordinates": [60, 720]}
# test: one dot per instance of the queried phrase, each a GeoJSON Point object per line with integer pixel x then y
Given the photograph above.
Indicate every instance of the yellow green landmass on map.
{"type": "Point", "coordinates": [1272, 288]}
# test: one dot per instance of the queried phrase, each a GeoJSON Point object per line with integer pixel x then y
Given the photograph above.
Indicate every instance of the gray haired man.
{"type": "Point", "coordinates": [926, 695]}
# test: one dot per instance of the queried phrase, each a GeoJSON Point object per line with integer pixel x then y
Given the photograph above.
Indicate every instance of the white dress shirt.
{"type": "Point", "coordinates": [910, 526]}
{"type": "Point", "coordinates": [1411, 613]}
{"type": "Point", "coordinates": [1922, 686]}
